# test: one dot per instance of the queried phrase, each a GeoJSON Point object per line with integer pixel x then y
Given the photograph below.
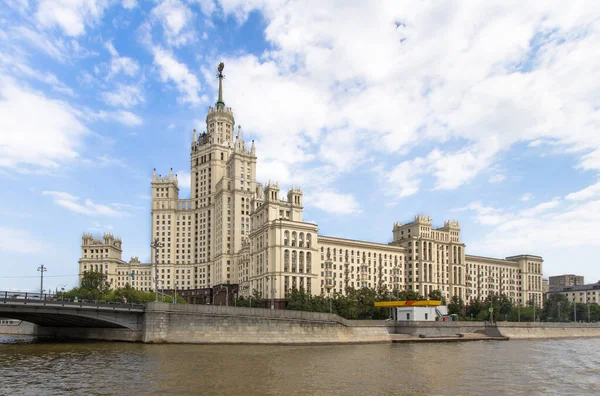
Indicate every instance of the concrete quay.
{"type": "Point", "coordinates": [403, 338]}
{"type": "Point", "coordinates": [206, 324]}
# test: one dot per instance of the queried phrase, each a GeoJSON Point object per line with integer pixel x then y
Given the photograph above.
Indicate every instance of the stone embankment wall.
{"type": "Point", "coordinates": [87, 333]}
{"type": "Point", "coordinates": [516, 330]}
{"type": "Point", "coordinates": [204, 324]}
{"type": "Point", "coordinates": [22, 328]}
{"type": "Point", "coordinates": [438, 329]}
{"type": "Point", "coordinates": [72, 333]}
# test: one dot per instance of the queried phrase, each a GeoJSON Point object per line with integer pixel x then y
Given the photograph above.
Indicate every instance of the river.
{"type": "Point", "coordinates": [32, 366]}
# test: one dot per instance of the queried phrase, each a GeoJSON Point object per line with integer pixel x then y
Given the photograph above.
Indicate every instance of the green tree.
{"type": "Point", "coordinates": [254, 301]}
{"type": "Point", "coordinates": [94, 285]}
{"type": "Point", "coordinates": [437, 295]}
{"type": "Point", "coordinates": [474, 308]}
{"type": "Point", "coordinates": [556, 308]}
{"type": "Point", "coordinates": [456, 305]}
{"type": "Point", "coordinates": [345, 306]}
{"type": "Point", "coordinates": [581, 312]}
{"type": "Point", "coordinates": [594, 312]}
{"type": "Point", "coordinates": [502, 306]}
{"type": "Point", "coordinates": [134, 296]}
{"type": "Point", "coordinates": [409, 295]}
{"type": "Point", "coordinates": [299, 300]}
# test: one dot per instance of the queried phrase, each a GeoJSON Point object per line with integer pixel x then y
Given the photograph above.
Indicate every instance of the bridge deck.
{"type": "Point", "coordinates": [72, 314]}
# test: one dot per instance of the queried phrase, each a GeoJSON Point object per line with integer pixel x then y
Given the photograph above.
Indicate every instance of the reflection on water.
{"type": "Point", "coordinates": [33, 366]}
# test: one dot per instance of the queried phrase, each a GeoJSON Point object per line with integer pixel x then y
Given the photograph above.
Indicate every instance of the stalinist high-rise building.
{"type": "Point", "coordinates": [234, 231]}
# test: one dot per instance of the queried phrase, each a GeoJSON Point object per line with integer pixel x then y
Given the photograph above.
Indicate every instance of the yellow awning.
{"type": "Point", "coordinates": [417, 303]}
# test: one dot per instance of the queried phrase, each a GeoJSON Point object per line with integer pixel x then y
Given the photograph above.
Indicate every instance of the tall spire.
{"type": "Point", "coordinates": [220, 103]}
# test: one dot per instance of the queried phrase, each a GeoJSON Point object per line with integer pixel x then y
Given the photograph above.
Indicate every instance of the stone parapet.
{"type": "Point", "coordinates": [199, 324]}
{"type": "Point", "coordinates": [526, 330]}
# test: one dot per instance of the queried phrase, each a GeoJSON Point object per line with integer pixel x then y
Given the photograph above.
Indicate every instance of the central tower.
{"type": "Point", "coordinates": [223, 182]}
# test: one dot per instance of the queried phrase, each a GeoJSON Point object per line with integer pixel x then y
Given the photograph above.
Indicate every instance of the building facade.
{"type": "Point", "coordinates": [235, 231]}
{"type": "Point", "coordinates": [586, 294]}
{"type": "Point", "coordinates": [559, 282]}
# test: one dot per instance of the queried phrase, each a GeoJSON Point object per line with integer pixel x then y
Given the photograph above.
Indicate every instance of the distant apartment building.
{"type": "Point", "coordinates": [561, 281]}
{"type": "Point", "coordinates": [587, 294]}
{"type": "Point", "coordinates": [545, 286]}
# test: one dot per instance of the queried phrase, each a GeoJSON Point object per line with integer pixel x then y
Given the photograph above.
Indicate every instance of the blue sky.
{"type": "Point", "coordinates": [480, 112]}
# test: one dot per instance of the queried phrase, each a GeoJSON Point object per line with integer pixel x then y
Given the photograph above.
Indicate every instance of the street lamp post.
{"type": "Point", "coordinates": [175, 294]}
{"type": "Point", "coordinates": [491, 279]}
{"type": "Point", "coordinates": [156, 245]}
{"type": "Point", "coordinates": [588, 305]}
{"type": "Point", "coordinates": [42, 269]}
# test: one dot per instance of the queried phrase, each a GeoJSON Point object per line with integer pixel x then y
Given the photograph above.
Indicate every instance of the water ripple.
{"type": "Point", "coordinates": [36, 367]}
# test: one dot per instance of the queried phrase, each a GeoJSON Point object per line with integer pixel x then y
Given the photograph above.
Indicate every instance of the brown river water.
{"type": "Point", "coordinates": [30, 366]}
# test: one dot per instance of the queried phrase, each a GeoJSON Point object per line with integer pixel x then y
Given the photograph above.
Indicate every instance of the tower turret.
{"type": "Point", "coordinates": [272, 192]}
{"type": "Point", "coordinates": [294, 196]}
{"type": "Point", "coordinates": [240, 145]}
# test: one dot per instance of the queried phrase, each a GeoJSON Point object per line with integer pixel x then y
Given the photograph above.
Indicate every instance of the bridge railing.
{"type": "Point", "coordinates": [59, 299]}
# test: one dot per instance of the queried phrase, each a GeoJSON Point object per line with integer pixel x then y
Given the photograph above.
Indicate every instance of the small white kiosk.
{"type": "Point", "coordinates": [419, 310]}
{"type": "Point", "coordinates": [410, 314]}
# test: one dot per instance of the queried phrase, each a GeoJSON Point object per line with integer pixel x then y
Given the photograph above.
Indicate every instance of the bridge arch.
{"type": "Point", "coordinates": [82, 316]}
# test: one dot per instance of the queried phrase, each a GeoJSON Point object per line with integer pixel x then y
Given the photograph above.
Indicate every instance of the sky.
{"type": "Point", "coordinates": [483, 112]}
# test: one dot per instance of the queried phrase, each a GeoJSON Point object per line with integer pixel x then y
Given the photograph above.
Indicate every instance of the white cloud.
{"type": "Point", "coordinates": [98, 227]}
{"type": "Point", "coordinates": [127, 118]}
{"type": "Point", "coordinates": [497, 178]}
{"type": "Point", "coordinates": [176, 20]}
{"type": "Point", "coordinates": [120, 64]}
{"type": "Point", "coordinates": [57, 49]}
{"type": "Point", "coordinates": [589, 192]}
{"type": "Point", "coordinates": [126, 206]}
{"type": "Point", "coordinates": [50, 138]}
{"type": "Point", "coordinates": [20, 241]}
{"type": "Point", "coordinates": [124, 96]}
{"type": "Point", "coordinates": [87, 207]}
{"type": "Point", "coordinates": [178, 73]}
{"type": "Point", "coordinates": [571, 226]}
{"type": "Point", "coordinates": [333, 202]}
{"type": "Point", "coordinates": [541, 208]}
{"type": "Point", "coordinates": [486, 215]}
{"type": "Point", "coordinates": [355, 68]}
{"type": "Point", "coordinates": [129, 4]}
{"type": "Point", "coordinates": [207, 6]}
{"type": "Point", "coordinates": [341, 149]}
{"type": "Point", "coordinates": [71, 16]}
{"type": "Point", "coordinates": [546, 227]}
{"type": "Point", "coordinates": [404, 180]}
{"type": "Point", "coordinates": [527, 197]}
{"type": "Point", "coordinates": [18, 66]}
{"type": "Point", "coordinates": [184, 179]}
{"type": "Point", "coordinates": [102, 161]}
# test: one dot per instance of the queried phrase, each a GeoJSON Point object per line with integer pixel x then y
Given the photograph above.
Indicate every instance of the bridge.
{"type": "Point", "coordinates": [48, 311]}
